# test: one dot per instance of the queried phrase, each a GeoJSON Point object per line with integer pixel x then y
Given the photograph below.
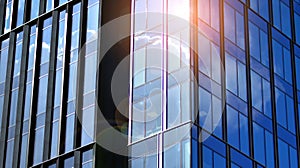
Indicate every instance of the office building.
{"type": "Point", "coordinates": [149, 83]}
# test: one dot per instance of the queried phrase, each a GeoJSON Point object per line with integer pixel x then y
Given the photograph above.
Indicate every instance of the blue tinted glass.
{"type": "Point", "coordinates": [173, 106]}
{"type": "Point", "coordinates": [259, 143]}
{"type": "Point", "coordinates": [207, 157]}
{"type": "Point", "coordinates": [46, 45]}
{"type": "Point", "coordinates": [297, 27]}
{"type": "Point", "coordinates": [233, 127]}
{"type": "Point", "coordinates": [257, 91]}
{"type": "Point", "coordinates": [244, 140]}
{"type": "Point", "coordinates": [254, 41]}
{"type": "Point", "coordinates": [54, 141]}
{"type": "Point", "coordinates": [3, 64]}
{"type": "Point", "coordinates": [287, 65]}
{"type": "Point", "coordinates": [58, 83]}
{"type": "Point", "coordinates": [8, 16]}
{"type": "Point", "coordinates": [42, 95]}
{"type": "Point", "coordinates": [293, 158]}
{"type": "Point", "coordinates": [280, 107]}
{"type": "Point", "coordinates": [20, 18]}
{"type": "Point", "coordinates": [285, 18]}
{"type": "Point", "coordinates": [298, 71]}
{"type": "Point", "coordinates": [69, 162]}
{"type": "Point", "coordinates": [9, 154]}
{"type": "Point", "coordinates": [277, 57]}
{"type": "Point", "coordinates": [229, 22]}
{"type": "Point", "coordinates": [283, 154]}
{"type": "Point", "coordinates": [49, 5]}
{"type": "Point", "coordinates": [270, 149]}
{"type": "Point", "coordinates": [231, 74]}
{"type": "Point", "coordinates": [205, 109]}
{"type": "Point", "coordinates": [290, 114]}
{"type": "Point", "coordinates": [34, 8]}
{"type": "Point", "coordinates": [242, 81]}
{"type": "Point", "coordinates": [151, 161]}
{"type": "Point", "coordinates": [69, 133]}
{"type": "Point", "coordinates": [23, 153]}
{"type": "Point", "coordinates": [276, 12]}
{"type": "Point", "coordinates": [13, 107]}
{"type": "Point", "coordinates": [62, 1]}
{"type": "Point", "coordinates": [281, 16]}
{"type": "Point", "coordinates": [267, 99]}
{"type": "Point", "coordinates": [240, 41]}
{"type": "Point", "coordinates": [219, 161]}
{"type": "Point", "coordinates": [87, 126]}
{"type": "Point", "coordinates": [92, 21]}
{"type": "Point", "coordinates": [264, 48]}
{"type": "Point", "coordinates": [137, 163]}
{"type": "Point", "coordinates": [264, 9]}
{"type": "Point", "coordinates": [172, 156]}
{"type": "Point", "coordinates": [38, 146]}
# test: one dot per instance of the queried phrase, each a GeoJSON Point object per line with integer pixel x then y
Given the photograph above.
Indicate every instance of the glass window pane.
{"type": "Point", "coordinates": [34, 8]}
{"type": "Point", "coordinates": [20, 18]}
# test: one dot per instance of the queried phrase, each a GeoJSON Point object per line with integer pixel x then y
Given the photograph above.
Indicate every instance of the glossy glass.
{"type": "Point", "coordinates": [281, 16]}
{"type": "Point", "coordinates": [21, 10]}
{"type": "Point", "coordinates": [28, 96]}
{"type": "Point", "coordinates": [8, 15]}
{"type": "Point", "coordinates": [3, 69]}
{"type": "Point", "coordinates": [87, 159]}
{"type": "Point", "coordinates": [261, 7]}
{"type": "Point", "coordinates": [34, 12]}
{"type": "Point", "coordinates": [42, 91]}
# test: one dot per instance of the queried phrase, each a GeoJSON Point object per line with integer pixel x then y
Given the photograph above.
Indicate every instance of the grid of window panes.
{"type": "Point", "coordinates": [248, 64]}
{"type": "Point", "coordinates": [40, 44]}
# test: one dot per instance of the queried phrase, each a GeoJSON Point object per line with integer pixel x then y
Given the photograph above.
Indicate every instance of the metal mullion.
{"type": "Point", "coordinates": [21, 97]}
{"type": "Point", "coordinates": [98, 76]}
{"type": "Point", "coordinates": [65, 79]}
{"type": "Point", "coordinates": [42, 7]}
{"type": "Point", "coordinates": [2, 15]}
{"type": "Point", "coordinates": [273, 97]}
{"type": "Point", "coordinates": [77, 159]}
{"type": "Point", "coordinates": [80, 75]}
{"type": "Point", "coordinates": [14, 14]}
{"type": "Point", "coordinates": [223, 80]}
{"type": "Point", "coordinates": [131, 62]}
{"type": "Point", "coordinates": [27, 11]}
{"type": "Point", "coordinates": [6, 105]}
{"type": "Point", "coordinates": [248, 76]}
{"type": "Point", "coordinates": [51, 85]}
{"type": "Point", "coordinates": [194, 114]}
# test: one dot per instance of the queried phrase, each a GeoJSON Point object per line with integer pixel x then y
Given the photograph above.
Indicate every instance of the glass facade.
{"type": "Point", "coordinates": [243, 89]}
{"type": "Point", "coordinates": [40, 43]}
{"type": "Point", "coordinates": [211, 83]}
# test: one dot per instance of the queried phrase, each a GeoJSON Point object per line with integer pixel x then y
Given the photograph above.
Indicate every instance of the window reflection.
{"type": "Point", "coordinates": [281, 16]}
{"type": "Point", "coordinates": [87, 159]}
{"type": "Point", "coordinates": [34, 9]}
{"type": "Point", "coordinates": [262, 7]}
{"type": "Point", "coordinates": [58, 84]}
{"type": "Point", "coordinates": [234, 24]}
{"type": "Point", "coordinates": [42, 92]}
{"type": "Point", "coordinates": [8, 16]}
{"type": "Point", "coordinates": [28, 97]}
{"type": "Point", "coordinates": [237, 130]}
{"type": "Point", "coordinates": [3, 68]}
{"type": "Point", "coordinates": [21, 8]}
{"type": "Point", "coordinates": [69, 162]}
{"type": "Point", "coordinates": [90, 73]}
{"type": "Point", "coordinates": [70, 117]}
